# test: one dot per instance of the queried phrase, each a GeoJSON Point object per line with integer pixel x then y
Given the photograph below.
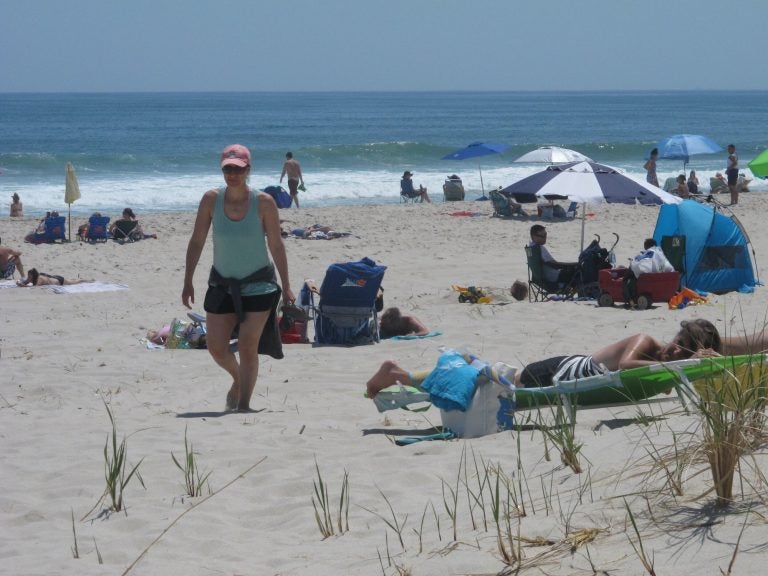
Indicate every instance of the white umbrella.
{"type": "Point", "coordinates": [71, 192]}
{"type": "Point", "coordinates": [589, 182]}
{"type": "Point", "coordinates": [552, 155]}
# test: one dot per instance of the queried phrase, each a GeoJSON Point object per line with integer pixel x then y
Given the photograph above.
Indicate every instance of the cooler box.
{"type": "Point", "coordinates": [491, 411]}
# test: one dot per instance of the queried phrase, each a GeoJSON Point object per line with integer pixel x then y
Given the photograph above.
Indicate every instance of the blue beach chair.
{"type": "Point", "coordinates": [98, 228]}
{"type": "Point", "coordinates": [346, 312]}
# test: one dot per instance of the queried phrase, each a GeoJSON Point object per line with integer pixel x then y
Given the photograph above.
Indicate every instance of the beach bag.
{"type": "Point", "coordinates": [280, 196]}
{"type": "Point", "coordinates": [293, 325]}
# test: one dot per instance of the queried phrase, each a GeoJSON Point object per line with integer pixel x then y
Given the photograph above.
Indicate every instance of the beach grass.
{"type": "Point", "coordinates": [194, 480]}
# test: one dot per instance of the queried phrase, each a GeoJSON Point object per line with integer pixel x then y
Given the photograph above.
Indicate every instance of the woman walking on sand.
{"type": "Point", "coordinates": [241, 286]}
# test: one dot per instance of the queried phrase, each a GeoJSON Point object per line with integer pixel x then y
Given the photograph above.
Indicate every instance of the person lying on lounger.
{"type": "Point", "coordinates": [395, 323]}
{"type": "Point", "coordinates": [695, 338]}
{"type": "Point", "coordinates": [35, 278]}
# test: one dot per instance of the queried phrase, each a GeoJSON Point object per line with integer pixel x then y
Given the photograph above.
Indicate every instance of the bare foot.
{"type": "Point", "coordinates": [232, 398]}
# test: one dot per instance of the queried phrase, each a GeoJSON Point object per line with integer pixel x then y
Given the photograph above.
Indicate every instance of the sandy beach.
{"type": "Point", "coordinates": [64, 356]}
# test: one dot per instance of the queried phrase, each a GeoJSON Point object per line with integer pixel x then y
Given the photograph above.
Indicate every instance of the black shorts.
{"type": "Point", "coordinates": [219, 301]}
{"type": "Point", "coordinates": [540, 373]}
{"type": "Point", "coordinates": [293, 186]}
{"type": "Point", "coordinates": [733, 176]}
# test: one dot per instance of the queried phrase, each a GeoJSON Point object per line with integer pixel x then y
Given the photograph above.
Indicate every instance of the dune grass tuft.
{"type": "Point", "coordinates": [194, 480]}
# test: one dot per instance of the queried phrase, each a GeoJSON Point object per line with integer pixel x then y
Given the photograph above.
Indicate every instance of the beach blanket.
{"type": "Point", "coordinates": [414, 336]}
{"type": "Point", "coordinates": [7, 284]}
{"type": "Point", "coordinates": [87, 287]}
{"type": "Point", "coordinates": [319, 235]}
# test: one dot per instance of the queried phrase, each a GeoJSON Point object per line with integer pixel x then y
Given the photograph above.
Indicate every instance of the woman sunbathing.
{"type": "Point", "coordinates": [35, 278]}
{"type": "Point", "coordinates": [695, 338]}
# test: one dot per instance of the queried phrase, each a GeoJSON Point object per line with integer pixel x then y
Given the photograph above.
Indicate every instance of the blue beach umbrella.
{"type": "Point", "coordinates": [475, 150]}
{"type": "Point", "coordinates": [683, 146]}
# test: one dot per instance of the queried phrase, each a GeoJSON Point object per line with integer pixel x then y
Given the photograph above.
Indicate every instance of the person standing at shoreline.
{"type": "Point", "coordinates": [241, 287]}
{"type": "Point", "coordinates": [732, 173]}
{"type": "Point", "coordinates": [650, 168]}
{"type": "Point", "coordinates": [292, 169]}
{"type": "Point", "coordinates": [17, 209]}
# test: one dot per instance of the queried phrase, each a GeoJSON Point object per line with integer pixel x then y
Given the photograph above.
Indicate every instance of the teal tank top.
{"type": "Point", "coordinates": [239, 246]}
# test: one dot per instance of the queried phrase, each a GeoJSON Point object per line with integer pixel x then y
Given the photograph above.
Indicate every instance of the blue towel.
{"type": "Point", "coordinates": [452, 383]}
{"type": "Point", "coordinates": [415, 337]}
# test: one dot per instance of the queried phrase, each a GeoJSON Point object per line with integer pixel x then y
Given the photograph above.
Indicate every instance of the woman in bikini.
{"type": "Point", "coordinates": [35, 278]}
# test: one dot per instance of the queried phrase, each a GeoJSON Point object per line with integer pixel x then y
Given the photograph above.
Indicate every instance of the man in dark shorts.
{"type": "Point", "coordinates": [732, 173]}
{"type": "Point", "coordinates": [292, 169]}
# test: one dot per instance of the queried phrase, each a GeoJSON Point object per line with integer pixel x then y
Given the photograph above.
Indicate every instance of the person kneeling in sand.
{"type": "Point", "coordinates": [10, 261]}
{"type": "Point", "coordinates": [35, 278]}
{"type": "Point", "coordinates": [695, 338]}
{"type": "Point", "coordinates": [394, 323]}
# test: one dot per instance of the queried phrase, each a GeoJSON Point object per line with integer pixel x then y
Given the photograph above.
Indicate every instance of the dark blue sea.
{"type": "Point", "coordinates": [159, 151]}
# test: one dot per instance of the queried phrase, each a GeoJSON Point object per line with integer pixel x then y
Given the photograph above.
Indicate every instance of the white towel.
{"type": "Point", "coordinates": [86, 287]}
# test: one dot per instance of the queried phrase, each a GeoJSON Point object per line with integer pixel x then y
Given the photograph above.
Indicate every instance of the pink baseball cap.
{"type": "Point", "coordinates": [237, 155]}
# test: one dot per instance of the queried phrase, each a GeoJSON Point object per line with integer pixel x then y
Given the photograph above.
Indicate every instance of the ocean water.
{"type": "Point", "coordinates": [159, 151]}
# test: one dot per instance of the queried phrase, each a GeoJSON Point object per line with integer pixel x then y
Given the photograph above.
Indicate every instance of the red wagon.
{"type": "Point", "coordinates": [651, 287]}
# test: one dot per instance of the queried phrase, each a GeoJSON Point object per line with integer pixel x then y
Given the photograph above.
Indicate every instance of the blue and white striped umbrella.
{"type": "Point", "coordinates": [588, 182]}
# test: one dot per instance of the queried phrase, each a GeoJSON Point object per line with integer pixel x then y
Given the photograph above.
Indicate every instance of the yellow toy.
{"type": "Point", "coordinates": [471, 294]}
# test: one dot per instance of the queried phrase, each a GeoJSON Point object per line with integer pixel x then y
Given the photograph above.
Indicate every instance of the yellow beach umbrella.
{"type": "Point", "coordinates": [71, 192]}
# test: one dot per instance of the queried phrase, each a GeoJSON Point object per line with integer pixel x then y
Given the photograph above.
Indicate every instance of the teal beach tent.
{"type": "Point", "coordinates": [716, 248]}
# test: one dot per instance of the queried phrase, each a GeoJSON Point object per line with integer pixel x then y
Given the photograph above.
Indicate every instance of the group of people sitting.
{"type": "Point", "coordinates": [127, 228]}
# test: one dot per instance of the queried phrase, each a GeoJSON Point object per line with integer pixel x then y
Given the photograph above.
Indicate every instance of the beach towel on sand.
{"type": "Point", "coordinates": [86, 287]}
{"type": "Point", "coordinates": [452, 382]}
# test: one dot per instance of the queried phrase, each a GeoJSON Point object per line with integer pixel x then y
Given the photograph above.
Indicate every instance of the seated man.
{"type": "Point", "coordinates": [682, 188]}
{"type": "Point", "coordinates": [10, 261]}
{"type": "Point", "coordinates": [554, 272]}
{"type": "Point", "coordinates": [407, 189]}
{"type": "Point", "coordinates": [394, 323]}
{"type": "Point", "coordinates": [35, 278]}
{"type": "Point", "coordinates": [695, 338]}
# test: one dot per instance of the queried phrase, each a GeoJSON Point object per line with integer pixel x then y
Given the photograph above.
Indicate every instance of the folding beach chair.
{"type": "Point", "coordinates": [125, 231]}
{"type": "Point", "coordinates": [346, 311]}
{"type": "Point", "coordinates": [539, 288]}
{"type": "Point", "coordinates": [98, 228]}
{"type": "Point", "coordinates": [54, 228]}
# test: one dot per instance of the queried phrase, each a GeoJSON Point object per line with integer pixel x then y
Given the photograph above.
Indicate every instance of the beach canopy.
{"type": "Point", "coordinates": [475, 150]}
{"type": "Point", "coordinates": [683, 146]}
{"type": "Point", "coordinates": [716, 257]}
{"type": "Point", "coordinates": [552, 155]}
{"type": "Point", "coordinates": [759, 166]}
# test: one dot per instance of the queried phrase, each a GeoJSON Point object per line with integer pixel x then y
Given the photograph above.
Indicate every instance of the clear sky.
{"type": "Point", "coordinates": [308, 45]}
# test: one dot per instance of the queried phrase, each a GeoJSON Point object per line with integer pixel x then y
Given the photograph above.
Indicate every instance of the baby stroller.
{"type": "Point", "coordinates": [591, 260]}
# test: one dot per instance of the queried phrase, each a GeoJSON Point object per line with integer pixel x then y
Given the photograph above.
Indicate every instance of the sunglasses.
{"type": "Point", "coordinates": [232, 169]}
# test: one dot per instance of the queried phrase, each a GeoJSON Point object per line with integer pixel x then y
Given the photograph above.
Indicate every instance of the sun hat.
{"type": "Point", "coordinates": [407, 173]}
{"type": "Point", "coordinates": [236, 155]}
